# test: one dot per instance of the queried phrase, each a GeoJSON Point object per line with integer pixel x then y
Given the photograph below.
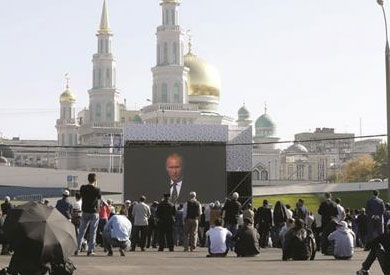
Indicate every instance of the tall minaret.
{"type": "Point", "coordinates": [170, 75]}
{"type": "Point", "coordinates": [104, 97]}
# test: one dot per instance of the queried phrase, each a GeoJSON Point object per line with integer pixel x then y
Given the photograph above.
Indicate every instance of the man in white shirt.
{"type": "Point", "coordinates": [117, 233]}
{"type": "Point", "coordinates": [141, 215]}
{"type": "Point", "coordinates": [217, 237]}
{"type": "Point", "coordinates": [341, 211]}
{"type": "Point", "coordinates": [344, 241]}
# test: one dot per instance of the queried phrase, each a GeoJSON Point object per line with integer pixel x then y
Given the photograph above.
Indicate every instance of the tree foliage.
{"type": "Point", "coordinates": [358, 170]}
{"type": "Point", "coordinates": [381, 168]}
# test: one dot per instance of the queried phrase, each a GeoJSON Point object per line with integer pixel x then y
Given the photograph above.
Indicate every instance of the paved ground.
{"type": "Point", "coordinates": [195, 263]}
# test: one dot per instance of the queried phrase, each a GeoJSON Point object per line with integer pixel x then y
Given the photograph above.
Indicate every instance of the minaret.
{"type": "Point", "coordinates": [66, 125]}
{"type": "Point", "coordinates": [104, 97]}
{"type": "Point", "coordinates": [169, 74]}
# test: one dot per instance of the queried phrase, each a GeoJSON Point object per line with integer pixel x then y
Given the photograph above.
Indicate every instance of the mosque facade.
{"type": "Point", "coordinates": [186, 89]}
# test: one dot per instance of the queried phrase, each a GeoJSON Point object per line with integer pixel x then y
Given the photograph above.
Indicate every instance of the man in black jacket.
{"type": "Point", "coordinates": [165, 215]}
{"type": "Point", "coordinates": [247, 240]}
{"type": "Point", "coordinates": [231, 212]}
{"type": "Point", "coordinates": [380, 249]}
{"type": "Point", "coordinates": [264, 222]}
{"type": "Point", "coordinates": [328, 211]}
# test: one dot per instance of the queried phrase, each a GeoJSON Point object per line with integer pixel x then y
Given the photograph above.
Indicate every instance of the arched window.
{"type": "Point", "coordinates": [255, 175]}
{"type": "Point", "coordinates": [164, 93]}
{"type": "Point", "coordinates": [63, 139]}
{"type": "Point", "coordinates": [310, 172]}
{"type": "Point", "coordinates": [70, 139]}
{"type": "Point", "coordinates": [176, 93]}
{"type": "Point", "coordinates": [174, 53]}
{"type": "Point", "coordinates": [165, 57]}
{"type": "Point", "coordinates": [264, 175]}
{"type": "Point", "coordinates": [109, 111]}
{"type": "Point", "coordinates": [98, 111]}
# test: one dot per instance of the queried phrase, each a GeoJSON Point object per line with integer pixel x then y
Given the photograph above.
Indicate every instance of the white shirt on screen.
{"type": "Point", "coordinates": [178, 187]}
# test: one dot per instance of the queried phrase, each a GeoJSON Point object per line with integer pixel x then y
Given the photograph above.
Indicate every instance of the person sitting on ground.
{"type": "Point", "coordinates": [117, 233]}
{"type": "Point", "coordinates": [379, 249]}
{"type": "Point", "coordinates": [344, 241]}
{"type": "Point", "coordinates": [285, 228]}
{"type": "Point", "coordinates": [217, 237]}
{"type": "Point", "coordinates": [247, 240]}
{"type": "Point", "coordinates": [299, 243]}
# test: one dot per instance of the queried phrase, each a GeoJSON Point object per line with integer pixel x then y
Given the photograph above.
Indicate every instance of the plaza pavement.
{"type": "Point", "coordinates": [195, 263]}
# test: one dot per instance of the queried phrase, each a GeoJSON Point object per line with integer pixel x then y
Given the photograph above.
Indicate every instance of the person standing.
{"type": "Point", "coordinates": [141, 214]}
{"type": "Point", "coordinates": [328, 210]}
{"type": "Point", "coordinates": [379, 249]}
{"type": "Point", "coordinates": [178, 235]}
{"type": "Point", "coordinates": [386, 215]}
{"type": "Point", "coordinates": [6, 205]}
{"type": "Point", "coordinates": [165, 219]}
{"type": "Point", "coordinates": [375, 209]}
{"type": "Point", "coordinates": [340, 210]}
{"type": "Point", "coordinates": [152, 227]}
{"type": "Point", "coordinates": [64, 206]}
{"type": "Point", "coordinates": [264, 223]}
{"type": "Point", "coordinates": [90, 195]}
{"type": "Point", "coordinates": [191, 213]}
{"type": "Point", "coordinates": [231, 213]}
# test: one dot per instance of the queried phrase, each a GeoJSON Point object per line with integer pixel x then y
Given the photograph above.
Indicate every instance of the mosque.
{"type": "Point", "coordinates": [186, 90]}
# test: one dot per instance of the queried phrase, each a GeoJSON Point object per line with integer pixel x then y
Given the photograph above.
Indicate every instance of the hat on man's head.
{"type": "Point", "coordinates": [66, 193]}
{"type": "Point", "coordinates": [127, 201]}
{"type": "Point", "coordinates": [7, 198]}
{"type": "Point", "coordinates": [235, 195]}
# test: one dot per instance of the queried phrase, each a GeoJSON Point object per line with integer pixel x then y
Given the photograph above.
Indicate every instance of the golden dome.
{"type": "Point", "coordinates": [203, 78]}
{"type": "Point", "coordinates": [67, 96]}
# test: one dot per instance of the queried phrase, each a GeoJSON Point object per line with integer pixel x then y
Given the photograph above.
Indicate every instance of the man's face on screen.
{"type": "Point", "coordinates": [174, 167]}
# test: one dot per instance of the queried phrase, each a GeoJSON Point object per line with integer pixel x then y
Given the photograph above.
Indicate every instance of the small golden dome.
{"type": "Point", "coordinates": [67, 96]}
{"type": "Point", "coordinates": [203, 78]}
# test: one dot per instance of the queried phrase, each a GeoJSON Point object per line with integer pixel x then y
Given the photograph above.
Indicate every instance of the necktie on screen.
{"type": "Point", "coordinates": [174, 192]}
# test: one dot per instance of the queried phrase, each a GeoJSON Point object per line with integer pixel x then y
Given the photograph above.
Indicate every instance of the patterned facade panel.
{"type": "Point", "coordinates": [176, 132]}
{"type": "Point", "coordinates": [239, 157]}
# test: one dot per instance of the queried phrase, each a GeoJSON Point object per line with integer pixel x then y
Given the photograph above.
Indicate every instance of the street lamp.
{"type": "Point", "coordinates": [387, 62]}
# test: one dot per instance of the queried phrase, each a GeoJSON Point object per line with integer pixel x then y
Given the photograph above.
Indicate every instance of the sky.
{"type": "Point", "coordinates": [316, 63]}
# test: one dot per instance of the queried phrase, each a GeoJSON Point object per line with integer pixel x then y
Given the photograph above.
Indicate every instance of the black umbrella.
{"type": "Point", "coordinates": [42, 230]}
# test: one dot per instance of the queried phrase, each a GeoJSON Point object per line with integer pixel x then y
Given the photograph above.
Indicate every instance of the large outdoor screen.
{"type": "Point", "coordinates": [177, 169]}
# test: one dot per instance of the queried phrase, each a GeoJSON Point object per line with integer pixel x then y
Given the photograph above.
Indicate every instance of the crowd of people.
{"type": "Point", "coordinates": [223, 227]}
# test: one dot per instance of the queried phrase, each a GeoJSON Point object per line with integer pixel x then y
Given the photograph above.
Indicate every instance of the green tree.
{"type": "Point", "coordinates": [358, 170]}
{"type": "Point", "coordinates": [381, 167]}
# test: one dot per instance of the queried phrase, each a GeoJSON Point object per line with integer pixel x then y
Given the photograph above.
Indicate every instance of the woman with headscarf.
{"type": "Point", "coordinates": [280, 218]}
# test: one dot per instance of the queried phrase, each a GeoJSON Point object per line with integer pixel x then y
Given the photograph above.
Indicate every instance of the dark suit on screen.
{"type": "Point", "coordinates": [182, 195]}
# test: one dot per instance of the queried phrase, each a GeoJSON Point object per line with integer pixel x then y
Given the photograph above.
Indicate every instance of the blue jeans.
{"type": "Point", "coordinates": [91, 219]}
{"type": "Point", "coordinates": [110, 242]}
